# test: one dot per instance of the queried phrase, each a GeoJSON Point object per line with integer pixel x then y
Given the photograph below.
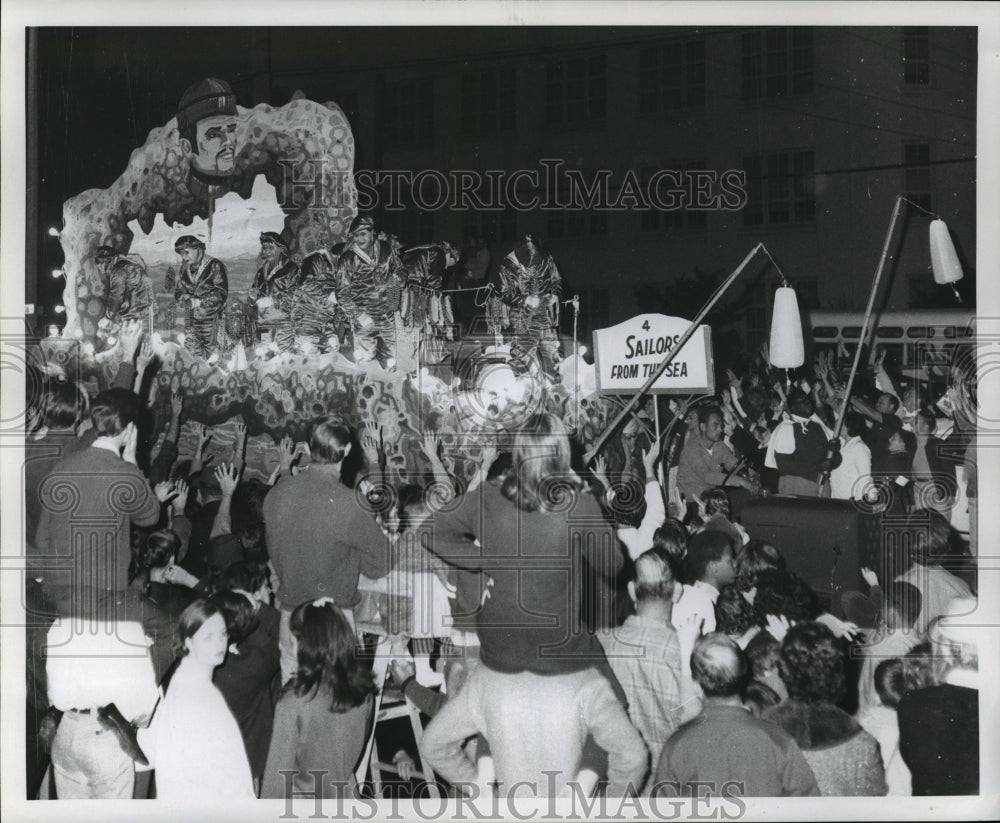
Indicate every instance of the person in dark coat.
{"type": "Point", "coordinates": [249, 678]}
{"type": "Point", "coordinates": [201, 288]}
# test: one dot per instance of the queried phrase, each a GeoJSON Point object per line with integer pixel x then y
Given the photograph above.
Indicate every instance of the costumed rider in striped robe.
{"type": "Point", "coordinates": [370, 285]}
{"type": "Point", "coordinates": [273, 287]}
{"type": "Point", "coordinates": [201, 289]}
{"type": "Point", "coordinates": [531, 287]}
{"type": "Point", "coordinates": [318, 320]}
{"type": "Point", "coordinates": [423, 305]}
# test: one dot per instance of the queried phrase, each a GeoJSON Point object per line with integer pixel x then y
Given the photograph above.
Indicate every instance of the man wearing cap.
{"type": "Point", "coordinates": [130, 291]}
{"type": "Point", "coordinates": [531, 288]}
{"type": "Point", "coordinates": [369, 275]}
{"type": "Point", "coordinates": [201, 288]}
{"type": "Point", "coordinates": [424, 307]}
{"type": "Point", "coordinates": [274, 286]}
{"type": "Point", "coordinates": [206, 128]}
{"type": "Point", "coordinates": [317, 318]}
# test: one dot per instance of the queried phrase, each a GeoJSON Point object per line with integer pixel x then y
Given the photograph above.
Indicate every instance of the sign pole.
{"type": "Point", "coordinates": [590, 455]}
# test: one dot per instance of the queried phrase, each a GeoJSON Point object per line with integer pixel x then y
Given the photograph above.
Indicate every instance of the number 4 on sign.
{"type": "Point", "coordinates": [645, 326]}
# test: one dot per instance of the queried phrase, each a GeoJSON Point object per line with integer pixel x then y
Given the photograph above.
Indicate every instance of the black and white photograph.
{"type": "Point", "coordinates": [466, 410]}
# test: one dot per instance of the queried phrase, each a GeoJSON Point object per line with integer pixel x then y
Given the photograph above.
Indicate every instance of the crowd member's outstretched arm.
{"type": "Point", "coordinates": [204, 434]}
{"type": "Point", "coordinates": [228, 478]}
{"type": "Point", "coordinates": [159, 468]}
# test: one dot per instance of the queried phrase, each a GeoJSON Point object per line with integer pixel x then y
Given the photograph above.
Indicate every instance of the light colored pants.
{"type": "Point", "coordinates": [88, 762]}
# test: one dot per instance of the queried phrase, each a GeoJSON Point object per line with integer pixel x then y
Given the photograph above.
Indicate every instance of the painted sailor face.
{"type": "Point", "coordinates": [215, 149]}
{"type": "Point", "coordinates": [192, 256]}
{"type": "Point", "coordinates": [363, 239]}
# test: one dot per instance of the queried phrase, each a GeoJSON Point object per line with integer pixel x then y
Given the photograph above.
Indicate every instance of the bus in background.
{"type": "Point", "coordinates": [921, 342]}
{"type": "Point", "coordinates": [915, 339]}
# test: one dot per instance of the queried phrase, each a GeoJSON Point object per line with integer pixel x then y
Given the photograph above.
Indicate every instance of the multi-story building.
{"type": "Point", "coordinates": [828, 124]}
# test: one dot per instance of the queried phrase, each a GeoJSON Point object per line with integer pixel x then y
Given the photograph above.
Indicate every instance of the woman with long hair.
{"type": "Point", "coordinates": [544, 543]}
{"type": "Point", "coordinates": [323, 717]}
{"type": "Point", "coordinates": [193, 742]}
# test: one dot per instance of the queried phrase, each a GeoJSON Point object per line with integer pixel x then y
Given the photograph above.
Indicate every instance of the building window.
{"type": "Point", "coordinates": [776, 62]}
{"type": "Point", "coordinates": [672, 76]}
{"type": "Point", "coordinates": [917, 157]}
{"type": "Point", "coordinates": [780, 188]}
{"type": "Point", "coordinates": [406, 112]}
{"type": "Point", "coordinates": [668, 191]}
{"type": "Point", "coordinates": [576, 91]}
{"type": "Point", "coordinates": [578, 219]}
{"type": "Point", "coordinates": [916, 56]}
{"type": "Point", "coordinates": [488, 105]}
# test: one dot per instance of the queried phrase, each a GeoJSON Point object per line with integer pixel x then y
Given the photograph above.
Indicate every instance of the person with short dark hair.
{"type": "Point", "coordinates": [249, 678]}
{"type": "Point", "coordinates": [706, 460]}
{"type": "Point", "coordinates": [843, 756]}
{"type": "Point", "coordinates": [369, 287]}
{"type": "Point", "coordinates": [320, 538]}
{"type": "Point", "coordinates": [725, 743]}
{"type": "Point", "coordinates": [798, 449]}
{"type": "Point", "coordinates": [200, 289]}
{"type": "Point", "coordinates": [851, 480]}
{"type": "Point", "coordinates": [93, 497]}
{"type": "Point", "coordinates": [935, 487]}
{"type": "Point", "coordinates": [273, 289]}
{"type": "Point", "coordinates": [786, 594]}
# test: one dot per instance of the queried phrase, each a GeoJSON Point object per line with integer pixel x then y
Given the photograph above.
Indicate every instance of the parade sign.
{"type": "Point", "coordinates": [628, 354]}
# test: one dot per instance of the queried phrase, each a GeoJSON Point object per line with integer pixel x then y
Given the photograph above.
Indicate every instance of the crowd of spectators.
{"type": "Point", "coordinates": [590, 646]}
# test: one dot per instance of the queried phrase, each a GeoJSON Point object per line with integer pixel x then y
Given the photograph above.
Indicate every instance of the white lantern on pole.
{"type": "Point", "coordinates": [786, 350]}
{"type": "Point", "coordinates": [944, 258]}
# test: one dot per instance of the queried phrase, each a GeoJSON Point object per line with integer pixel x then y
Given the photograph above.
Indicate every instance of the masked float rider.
{"type": "Point", "coordinates": [201, 289]}
{"type": "Point", "coordinates": [273, 288]}
{"type": "Point", "coordinates": [531, 286]}
{"type": "Point", "coordinates": [370, 284]}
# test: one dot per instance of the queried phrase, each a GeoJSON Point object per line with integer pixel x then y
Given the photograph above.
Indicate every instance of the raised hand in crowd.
{"type": "Point", "coordinates": [735, 383]}
{"type": "Point", "coordinates": [228, 478]}
{"type": "Point", "coordinates": [649, 458]}
{"type": "Point", "coordinates": [777, 626]}
{"type": "Point", "coordinates": [869, 577]}
{"type": "Point", "coordinates": [202, 435]}
{"type": "Point", "coordinates": [128, 450]}
{"type": "Point", "coordinates": [599, 468]}
{"type": "Point", "coordinates": [144, 356]}
{"type": "Point", "coordinates": [179, 502]}
{"type": "Point", "coordinates": [164, 491]}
